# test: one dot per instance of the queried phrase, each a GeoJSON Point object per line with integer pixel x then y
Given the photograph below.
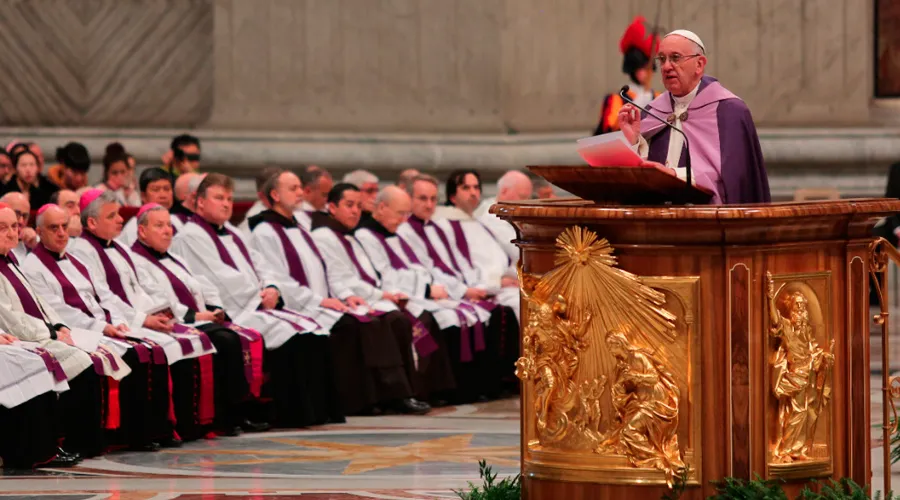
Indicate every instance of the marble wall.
{"type": "Point", "coordinates": [474, 66]}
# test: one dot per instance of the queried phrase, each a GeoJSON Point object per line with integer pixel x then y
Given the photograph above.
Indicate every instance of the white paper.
{"type": "Point", "coordinates": [608, 150]}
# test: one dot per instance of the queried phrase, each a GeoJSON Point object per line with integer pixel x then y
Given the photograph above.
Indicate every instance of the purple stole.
{"type": "Point", "coordinates": [220, 247]}
{"type": "Point", "coordinates": [71, 297]}
{"type": "Point", "coordinates": [465, 347]}
{"type": "Point", "coordinates": [419, 227]}
{"type": "Point", "coordinates": [461, 243]}
{"type": "Point", "coordinates": [348, 248]}
{"type": "Point", "coordinates": [295, 266]}
{"type": "Point", "coordinates": [70, 293]}
{"type": "Point", "coordinates": [229, 261]}
{"type": "Point", "coordinates": [112, 274]}
{"type": "Point", "coordinates": [51, 363]}
{"type": "Point", "coordinates": [29, 305]}
{"type": "Point", "coordinates": [186, 298]}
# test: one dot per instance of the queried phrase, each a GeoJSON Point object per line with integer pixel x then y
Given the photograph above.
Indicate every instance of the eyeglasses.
{"type": "Point", "coordinates": [675, 59]}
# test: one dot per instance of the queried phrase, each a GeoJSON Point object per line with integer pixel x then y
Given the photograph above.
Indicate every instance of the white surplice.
{"type": "Point", "coordinates": [25, 327]}
{"type": "Point", "coordinates": [239, 289]}
{"type": "Point", "coordinates": [139, 304]}
{"type": "Point", "coordinates": [303, 299]}
{"type": "Point", "coordinates": [413, 281]}
{"type": "Point", "coordinates": [344, 279]}
{"type": "Point", "coordinates": [502, 231]}
{"type": "Point", "coordinates": [24, 376]}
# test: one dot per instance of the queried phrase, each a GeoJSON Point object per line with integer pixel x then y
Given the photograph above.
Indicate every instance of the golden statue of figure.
{"type": "Point", "coordinates": [551, 345]}
{"type": "Point", "coordinates": [645, 399]}
{"type": "Point", "coordinates": [800, 376]}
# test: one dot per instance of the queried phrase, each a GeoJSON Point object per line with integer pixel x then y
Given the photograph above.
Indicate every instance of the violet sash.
{"type": "Point", "coordinates": [186, 346]}
{"type": "Point", "coordinates": [297, 326]}
{"type": "Point", "coordinates": [461, 243]}
{"type": "Point", "coordinates": [247, 337]}
{"type": "Point", "coordinates": [295, 266]}
{"type": "Point", "coordinates": [224, 255]}
{"type": "Point", "coordinates": [408, 251]}
{"type": "Point", "coordinates": [70, 293]}
{"type": "Point", "coordinates": [51, 363]}
{"type": "Point", "coordinates": [113, 279]}
{"type": "Point", "coordinates": [422, 340]}
{"type": "Point", "coordinates": [29, 305]}
{"type": "Point", "coordinates": [465, 348]}
{"type": "Point", "coordinates": [182, 292]}
{"type": "Point", "coordinates": [419, 227]}
{"type": "Point", "coordinates": [494, 236]}
{"type": "Point", "coordinates": [350, 253]}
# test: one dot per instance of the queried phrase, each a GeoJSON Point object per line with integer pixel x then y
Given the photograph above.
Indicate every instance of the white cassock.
{"type": "Point", "coordinates": [345, 279]}
{"type": "Point", "coordinates": [139, 303]}
{"type": "Point", "coordinates": [33, 330]}
{"type": "Point", "coordinates": [24, 375]}
{"type": "Point", "coordinates": [239, 287]}
{"type": "Point", "coordinates": [304, 299]}
{"type": "Point", "coordinates": [413, 280]}
{"type": "Point", "coordinates": [448, 266]}
{"type": "Point", "coordinates": [478, 249]}
{"type": "Point", "coordinates": [94, 320]}
{"type": "Point", "coordinates": [502, 231]}
{"type": "Point", "coordinates": [129, 232]}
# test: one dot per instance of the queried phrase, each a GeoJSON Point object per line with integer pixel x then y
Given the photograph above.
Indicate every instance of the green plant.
{"type": "Point", "coordinates": [507, 489]}
{"type": "Point", "coordinates": [739, 489]}
{"type": "Point", "coordinates": [845, 489]}
{"type": "Point", "coordinates": [678, 486]}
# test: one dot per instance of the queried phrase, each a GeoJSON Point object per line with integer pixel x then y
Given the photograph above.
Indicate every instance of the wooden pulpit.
{"type": "Point", "coordinates": [668, 343]}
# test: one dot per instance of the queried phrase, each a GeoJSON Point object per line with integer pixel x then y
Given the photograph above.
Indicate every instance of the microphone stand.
{"type": "Point", "coordinates": [623, 93]}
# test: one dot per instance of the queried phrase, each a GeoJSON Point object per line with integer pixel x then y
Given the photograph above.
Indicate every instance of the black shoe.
{"type": "Point", "coordinates": [413, 406]}
{"type": "Point", "coordinates": [65, 454]}
{"type": "Point", "coordinates": [172, 442]}
{"type": "Point", "coordinates": [151, 447]}
{"type": "Point", "coordinates": [61, 461]}
{"type": "Point", "coordinates": [248, 426]}
{"type": "Point", "coordinates": [230, 431]}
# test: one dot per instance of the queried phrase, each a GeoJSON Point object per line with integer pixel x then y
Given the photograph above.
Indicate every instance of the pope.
{"type": "Point", "coordinates": [724, 147]}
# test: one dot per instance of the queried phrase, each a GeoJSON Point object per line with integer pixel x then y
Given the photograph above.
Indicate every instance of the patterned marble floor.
{"type": "Point", "coordinates": [385, 458]}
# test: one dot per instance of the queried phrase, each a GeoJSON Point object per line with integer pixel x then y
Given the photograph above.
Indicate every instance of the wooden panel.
{"type": "Point", "coordinates": [738, 317]}
{"type": "Point", "coordinates": [858, 381]}
{"type": "Point", "coordinates": [106, 62]}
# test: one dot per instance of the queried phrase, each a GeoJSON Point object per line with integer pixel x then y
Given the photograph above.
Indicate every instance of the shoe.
{"type": "Point", "coordinates": [439, 403]}
{"type": "Point", "coordinates": [61, 461]}
{"type": "Point", "coordinates": [230, 431]}
{"type": "Point", "coordinates": [172, 442]}
{"type": "Point", "coordinates": [63, 453]}
{"type": "Point", "coordinates": [151, 447]}
{"type": "Point", "coordinates": [413, 406]}
{"type": "Point", "coordinates": [248, 426]}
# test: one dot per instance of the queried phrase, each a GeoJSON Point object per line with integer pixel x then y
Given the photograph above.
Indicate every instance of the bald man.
{"type": "Point", "coordinates": [512, 186]}
{"type": "Point", "coordinates": [405, 179]}
{"type": "Point", "coordinates": [462, 324]}
{"type": "Point", "coordinates": [28, 238]}
{"type": "Point", "coordinates": [184, 201]}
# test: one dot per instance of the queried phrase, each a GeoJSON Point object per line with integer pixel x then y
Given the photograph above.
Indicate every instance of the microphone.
{"type": "Point", "coordinates": [623, 93]}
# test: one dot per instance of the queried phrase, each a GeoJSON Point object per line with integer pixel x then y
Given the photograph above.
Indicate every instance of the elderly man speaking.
{"type": "Point", "coordinates": [724, 148]}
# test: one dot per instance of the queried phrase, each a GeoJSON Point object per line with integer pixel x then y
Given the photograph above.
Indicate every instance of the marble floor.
{"type": "Point", "coordinates": [385, 458]}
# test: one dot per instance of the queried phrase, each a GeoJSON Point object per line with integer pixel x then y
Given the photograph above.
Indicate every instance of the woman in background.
{"type": "Point", "coordinates": [116, 173]}
{"type": "Point", "coordinates": [25, 179]}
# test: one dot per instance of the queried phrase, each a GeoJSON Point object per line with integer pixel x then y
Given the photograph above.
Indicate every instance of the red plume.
{"type": "Point", "coordinates": [637, 36]}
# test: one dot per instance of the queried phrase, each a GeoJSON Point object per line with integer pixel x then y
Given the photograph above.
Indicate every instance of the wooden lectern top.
{"type": "Point", "coordinates": [623, 185]}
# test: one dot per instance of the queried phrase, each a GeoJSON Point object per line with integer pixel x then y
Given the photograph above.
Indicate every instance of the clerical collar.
{"type": "Point", "coordinates": [331, 223]}
{"type": "Point", "coordinates": [219, 230]}
{"type": "Point", "coordinates": [153, 252]}
{"type": "Point", "coordinates": [272, 217]}
{"type": "Point", "coordinates": [9, 258]}
{"type": "Point", "coordinates": [104, 243]}
{"type": "Point", "coordinates": [178, 208]}
{"type": "Point", "coordinates": [687, 98]}
{"type": "Point", "coordinates": [416, 220]}
{"type": "Point", "coordinates": [373, 225]}
{"type": "Point", "coordinates": [56, 256]}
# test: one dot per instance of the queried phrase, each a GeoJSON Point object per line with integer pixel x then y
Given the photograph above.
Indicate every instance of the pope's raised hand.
{"type": "Point", "coordinates": [630, 123]}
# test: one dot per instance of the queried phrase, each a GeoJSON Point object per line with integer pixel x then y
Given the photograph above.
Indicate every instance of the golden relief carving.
{"type": "Point", "coordinates": [801, 375]}
{"type": "Point", "coordinates": [595, 353]}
